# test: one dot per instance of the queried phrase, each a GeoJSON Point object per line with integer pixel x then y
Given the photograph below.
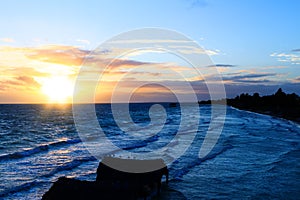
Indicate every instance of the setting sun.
{"type": "Point", "coordinates": [58, 89]}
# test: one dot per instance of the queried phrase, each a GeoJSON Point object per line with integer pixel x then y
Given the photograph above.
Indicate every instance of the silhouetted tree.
{"type": "Point", "coordinates": [279, 104]}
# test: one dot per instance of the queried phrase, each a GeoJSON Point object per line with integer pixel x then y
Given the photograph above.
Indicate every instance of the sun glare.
{"type": "Point", "coordinates": [58, 89]}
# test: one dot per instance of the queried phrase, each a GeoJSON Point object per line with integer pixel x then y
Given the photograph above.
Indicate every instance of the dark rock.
{"type": "Point", "coordinates": [66, 188]}
{"type": "Point", "coordinates": [112, 183]}
{"type": "Point", "coordinates": [133, 173]}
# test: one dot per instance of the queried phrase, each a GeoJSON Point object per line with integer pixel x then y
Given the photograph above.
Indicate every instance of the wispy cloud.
{"type": "Point", "coordinates": [59, 54]}
{"type": "Point", "coordinates": [292, 58]}
{"type": "Point", "coordinates": [249, 78]}
{"type": "Point", "coordinates": [252, 81]}
{"type": "Point", "coordinates": [7, 40]}
{"type": "Point", "coordinates": [27, 80]}
{"type": "Point", "coordinates": [273, 67]}
{"type": "Point", "coordinates": [182, 46]}
{"type": "Point", "coordinates": [195, 50]}
{"type": "Point", "coordinates": [23, 82]}
{"type": "Point", "coordinates": [83, 41]}
{"type": "Point", "coordinates": [253, 76]}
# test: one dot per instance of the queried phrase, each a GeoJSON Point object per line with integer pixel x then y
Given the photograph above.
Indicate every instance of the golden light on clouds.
{"type": "Point", "coordinates": [43, 74]}
{"type": "Point", "coordinates": [47, 74]}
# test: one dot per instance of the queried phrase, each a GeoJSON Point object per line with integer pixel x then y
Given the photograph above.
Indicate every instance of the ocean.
{"type": "Point", "coordinates": [256, 156]}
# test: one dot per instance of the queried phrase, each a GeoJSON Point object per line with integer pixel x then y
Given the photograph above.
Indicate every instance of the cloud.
{"type": "Point", "coordinates": [28, 81]}
{"type": "Point", "coordinates": [21, 82]}
{"type": "Point", "coordinates": [250, 78]}
{"type": "Point", "coordinates": [117, 68]}
{"type": "Point", "coordinates": [296, 80]}
{"type": "Point", "coordinates": [253, 81]}
{"type": "Point", "coordinates": [24, 69]}
{"type": "Point", "coordinates": [156, 91]}
{"type": "Point", "coordinates": [8, 40]}
{"type": "Point", "coordinates": [83, 41]}
{"type": "Point", "coordinates": [130, 63]}
{"type": "Point", "coordinates": [69, 56]}
{"type": "Point", "coordinates": [137, 73]}
{"type": "Point", "coordinates": [194, 50]}
{"type": "Point", "coordinates": [253, 76]}
{"type": "Point", "coordinates": [62, 60]}
{"type": "Point", "coordinates": [179, 45]}
{"type": "Point", "coordinates": [296, 50]}
{"type": "Point", "coordinates": [273, 67]}
{"type": "Point", "coordinates": [59, 54]}
{"type": "Point", "coordinates": [233, 90]}
{"type": "Point", "coordinates": [222, 65]}
{"type": "Point", "coordinates": [287, 57]}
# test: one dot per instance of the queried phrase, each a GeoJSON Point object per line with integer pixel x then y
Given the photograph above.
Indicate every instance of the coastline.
{"type": "Point", "coordinates": [269, 113]}
{"type": "Point", "coordinates": [262, 112]}
{"type": "Point", "coordinates": [279, 104]}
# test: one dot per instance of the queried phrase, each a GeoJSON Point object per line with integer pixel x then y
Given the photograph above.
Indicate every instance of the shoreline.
{"type": "Point", "coordinates": [268, 113]}
{"type": "Point", "coordinates": [279, 104]}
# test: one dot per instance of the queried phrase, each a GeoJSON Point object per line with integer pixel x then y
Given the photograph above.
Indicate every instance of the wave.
{"type": "Point", "coordinates": [70, 165]}
{"type": "Point", "coordinates": [135, 145]}
{"type": "Point", "coordinates": [179, 173]}
{"type": "Point", "coordinates": [65, 167]}
{"type": "Point", "coordinates": [22, 187]}
{"type": "Point", "coordinates": [38, 149]}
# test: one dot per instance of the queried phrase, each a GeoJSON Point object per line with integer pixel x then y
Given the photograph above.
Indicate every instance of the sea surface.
{"type": "Point", "coordinates": [256, 157]}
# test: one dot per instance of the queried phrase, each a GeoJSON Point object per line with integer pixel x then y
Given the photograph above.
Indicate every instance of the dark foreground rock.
{"type": "Point", "coordinates": [112, 183]}
{"type": "Point", "coordinates": [66, 188]}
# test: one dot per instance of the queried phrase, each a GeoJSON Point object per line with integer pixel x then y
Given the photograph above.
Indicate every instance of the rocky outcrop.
{"type": "Point", "coordinates": [144, 175]}
{"type": "Point", "coordinates": [67, 188]}
{"type": "Point", "coordinates": [113, 183]}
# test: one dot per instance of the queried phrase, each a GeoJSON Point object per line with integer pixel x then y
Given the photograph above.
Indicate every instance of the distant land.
{"type": "Point", "coordinates": [280, 104]}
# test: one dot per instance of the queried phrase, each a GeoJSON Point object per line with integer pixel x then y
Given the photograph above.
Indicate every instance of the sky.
{"type": "Point", "coordinates": [254, 45]}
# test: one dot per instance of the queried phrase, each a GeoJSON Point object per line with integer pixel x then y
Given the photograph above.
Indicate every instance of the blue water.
{"type": "Point", "coordinates": [256, 157]}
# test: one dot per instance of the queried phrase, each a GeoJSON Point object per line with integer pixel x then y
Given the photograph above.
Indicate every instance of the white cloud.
{"type": "Point", "coordinates": [292, 58]}
{"type": "Point", "coordinates": [83, 41]}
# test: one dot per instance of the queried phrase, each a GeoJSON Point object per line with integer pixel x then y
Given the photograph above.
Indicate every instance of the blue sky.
{"type": "Point", "coordinates": [253, 36]}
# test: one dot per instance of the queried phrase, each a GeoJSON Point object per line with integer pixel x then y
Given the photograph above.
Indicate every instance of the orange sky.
{"type": "Point", "coordinates": [47, 74]}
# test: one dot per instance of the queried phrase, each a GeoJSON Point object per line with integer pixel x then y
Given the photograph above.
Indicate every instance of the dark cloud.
{"type": "Point", "coordinates": [252, 81]}
{"type": "Point", "coordinates": [296, 50]}
{"type": "Point", "coordinates": [246, 77]}
{"type": "Point", "coordinates": [158, 92]}
{"type": "Point", "coordinates": [222, 65]}
{"type": "Point", "coordinates": [233, 90]}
